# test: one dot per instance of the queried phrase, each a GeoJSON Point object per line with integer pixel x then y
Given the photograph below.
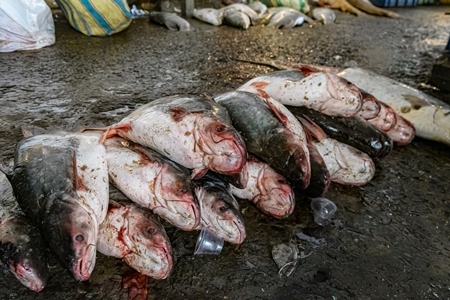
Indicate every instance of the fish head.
{"type": "Point", "coordinates": [345, 97]}
{"type": "Point", "coordinates": [354, 166]}
{"type": "Point", "coordinates": [71, 232]}
{"type": "Point", "coordinates": [276, 197]}
{"type": "Point", "coordinates": [370, 107]}
{"type": "Point", "coordinates": [173, 189]}
{"type": "Point", "coordinates": [221, 215]}
{"type": "Point", "coordinates": [386, 118]}
{"type": "Point", "coordinates": [403, 132]}
{"type": "Point", "coordinates": [150, 246]}
{"type": "Point", "coordinates": [223, 147]}
{"type": "Point", "coordinates": [30, 275]}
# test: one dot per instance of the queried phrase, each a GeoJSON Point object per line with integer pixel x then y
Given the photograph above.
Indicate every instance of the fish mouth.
{"type": "Point", "coordinates": [242, 233]}
{"type": "Point", "coordinates": [27, 277]}
{"type": "Point", "coordinates": [84, 265]}
{"type": "Point", "coordinates": [277, 211]}
{"type": "Point", "coordinates": [186, 218]}
{"type": "Point", "coordinates": [167, 254]}
{"type": "Point", "coordinates": [234, 161]}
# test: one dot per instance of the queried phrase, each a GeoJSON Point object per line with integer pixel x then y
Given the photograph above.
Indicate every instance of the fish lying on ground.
{"type": "Point", "coordinates": [371, 106]}
{"type": "Point", "coordinates": [368, 7]}
{"type": "Point", "coordinates": [244, 8]}
{"type": "Point", "coordinates": [347, 165]}
{"type": "Point", "coordinates": [266, 137]}
{"type": "Point", "coordinates": [61, 181]}
{"type": "Point", "coordinates": [353, 131]}
{"type": "Point", "coordinates": [152, 181]}
{"type": "Point", "coordinates": [287, 11]}
{"type": "Point", "coordinates": [258, 7]}
{"type": "Point", "coordinates": [286, 19]}
{"type": "Point", "coordinates": [219, 210]}
{"type": "Point", "coordinates": [171, 20]}
{"type": "Point", "coordinates": [134, 235]}
{"type": "Point", "coordinates": [268, 190]}
{"type": "Point", "coordinates": [22, 250]}
{"type": "Point", "coordinates": [209, 15]}
{"type": "Point", "coordinates": [324, 14]}
{"type": "Point", "coordinates": [429, 116]}
{"type": "Point", "coordinates": [321, 91]}
{"type": "Point", "coordinates": [235, 18]}
{"type": "Point", "coordinates": [193, 131]}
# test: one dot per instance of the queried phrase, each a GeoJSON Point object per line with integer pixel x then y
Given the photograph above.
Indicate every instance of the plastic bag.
{"type": "Point", "coordinates": [25, 25]}
{"type": "Point", "coordinates": [96, 18]}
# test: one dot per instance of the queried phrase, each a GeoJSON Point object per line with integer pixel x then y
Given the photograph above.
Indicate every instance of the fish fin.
{"type": "Point", "coordinates": [177, 113]}
{"type": "Point", "coordinates": [307, 70]}
{"type": "Point", "coordinates": [311, 127]}
{"type": "Point", "coordinates": [198, 173]}
{"type": "Point", "coordinates": [259, 84]}
{"type": "Point", "coordinates": [112, 131]}
{"type": "Point", "coordinates": [30, 130]}
{"type": "Point", "coordinates": [277, 113]}
{"type": "Point", "coordinates": [7, 166]}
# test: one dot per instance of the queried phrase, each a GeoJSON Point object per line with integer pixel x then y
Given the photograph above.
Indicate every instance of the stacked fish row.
{"type": "Point", "coordinates": [177, 156]}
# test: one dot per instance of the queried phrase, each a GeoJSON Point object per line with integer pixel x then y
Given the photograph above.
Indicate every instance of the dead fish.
{"type": "Point", "coordinates": [22, 250]}
{"type": "Point", "coordinates": [371, 106]}
{"type": "Point", "coordinates": [235, 18]}
{"type": "Point", "coordinates": [171, 20]}
{"type": "Point", "coordinates": [386, 118]}
{"type": "Point", "coordinates": [244, 8]}
{"type": "Point", "coordinates": [192, 131]}
{"type": "Point", "coordinates": [267, 189]}
{"type": "Point", "coordinates": [283, 19]}
{"type": "Point", "coordinates": [219, 210]}
{"type": "Point", "coordinates": [60, 181]}
{"type": "Point", "coordinates": [266, 137]}
{"type": "Point", "coordinates": [353, 131]}
{"type": "Point", "coordinates": [324, 14]}
{"type": "Point", "coordinates": [152, 181]}
{"type": "Point", "coordinates": [135, 235]}
{"type": "Point", "coordinates": [403, 132]}
{"type": "Point", "coordinates": [320, 175]}
{"type": "Point", "coordinates": [429, 116]}
{"type": "Point", "coordinates": [209, 15]}
{"type": "Point", "coordinates": [347, 165]}
{"type": "Point", "coordinates": [321, 91]}
{"type": "Point", "coordinates": [287, 11]}
{"type": "Point", "coordinates": [258, 7]}
{"type": "Point", "coordinates": [368, 7]}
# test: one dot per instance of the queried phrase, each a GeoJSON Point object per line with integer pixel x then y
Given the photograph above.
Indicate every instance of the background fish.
{"type": "Point", "coordinates": [171, 20]}
{"type": "Point", "coordinates": [326, 15]}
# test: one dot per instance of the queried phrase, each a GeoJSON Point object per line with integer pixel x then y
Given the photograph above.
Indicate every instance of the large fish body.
{"type": "Point", "coordinates": [353, 131]}
{"type": "Point", "coordinates": [286, 19]}
{"type": "Point", "coordinates": [236, 18]}
{"type": "Point", "coordinates": [220, 211]}
{"type": "Point", "coordinates": [321, 91]}
{"type": "Point", "coordinates": [153, 181]}
{"type": "Point", "coordinates": [134, 235]}
{"type": "Point", "coordinates": [22, 250]}
{"type": "Point", "coordinates": [209, 15]}
{"type": "Point", "coordinates": [192, 131]}
{"type": "Point", "coordinates": [430, 116]}
{"type": "Point", "coordinates": [267, 189]}
{"type": "Point", "coordinates": [61, 183]}
{"type": "Point", "coordinates": [266, 136]}
{"type": "Point", "coordinates": [244, 8]}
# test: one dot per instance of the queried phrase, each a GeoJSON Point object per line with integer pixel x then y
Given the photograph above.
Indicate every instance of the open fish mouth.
{"type": "Point", "coordinates": [84, 266]}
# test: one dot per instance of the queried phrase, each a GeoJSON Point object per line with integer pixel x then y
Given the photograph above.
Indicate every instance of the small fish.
{"type": "Point", "coordinates": [135, 235]}
{"type": "Point", "coordinates": [22, 250]}
{"type": "Point", "coordinates": [192, 131]}
{"type": "Point", "coordinates": [321, 91]}
{"type": "Point", "coordinates": [287, 11]}
{"type": "Point", "coordinates": [244, 8]}
{"type": "Point", "coordinates": [235, 18]}
{"type": "Point", "coordinates": [429, 116]}
{"type": "Point", "coordinates": [284, 19]}
{"type": "Point", "coordinates": [152, 181]}
{"type": "Point", "coordinates": [209, 15]}
{"type": "Point", "coordinates": [219, 210]}
{"type": "Point", "coordinates": [171, 20]}
{"type": "Point", "coordinates": [258, 7]}
{"type": "Point", "coordinates": [268, 190]}
{"type": "Point", "coordinates": [324, 14]}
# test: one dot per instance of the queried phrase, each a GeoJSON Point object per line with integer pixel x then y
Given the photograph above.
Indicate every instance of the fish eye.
{"type": "Point", "coordinates": [79, 238]}
{"type": "Point", "coordinates": [349, 83]}
{"type": "Point", "coordinates": [184, 190]}
{"type": "Point", "coordinates": [220, 128]}
{"type": "Point", "coordinates": [151, 230]}
{"type": "Point", "coordinates": [417, 106]}
{"type": "Point", "coordinates": [282, 181]}
{"type": "Point", "coordinates": [223, 208]}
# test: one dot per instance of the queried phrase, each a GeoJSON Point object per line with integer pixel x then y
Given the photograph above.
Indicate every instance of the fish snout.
{"type": "Point", "coordinates": [84, 265]}
{"type": "Point", "coordinates": [29, 277]}
{"type": "Point", "coordinates": [231, 161]}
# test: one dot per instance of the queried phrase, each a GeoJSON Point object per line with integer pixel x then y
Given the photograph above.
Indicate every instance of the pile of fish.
{"type": "Point", "coordinates": [184, 158]}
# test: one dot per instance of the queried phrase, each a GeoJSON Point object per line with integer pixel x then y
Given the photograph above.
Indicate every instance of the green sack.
{"type": "Point", "coordinates": [97, 18]}
{"type": "Point", "coordinates": [300, 5]}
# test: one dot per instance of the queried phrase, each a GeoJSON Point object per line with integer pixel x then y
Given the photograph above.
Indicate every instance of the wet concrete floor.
{"type": "Point", "coordinates": [390, 239]}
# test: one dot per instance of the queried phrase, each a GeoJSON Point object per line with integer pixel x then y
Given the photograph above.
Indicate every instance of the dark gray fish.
{"type": "Point", "coordinates": [171, 20]}
{"type": "Point", "coordinates": [22, 250]}
{"type": "Point", "coordinates": [219, 210]}
{"type": "Point", "coordinates": [286, 19]}
{"type": "Point", "coordinates": [320, 176]}
{"type": "Point", "coordinates": [266, 137]}
{"type": "Point", "coordinates": [235, 18]}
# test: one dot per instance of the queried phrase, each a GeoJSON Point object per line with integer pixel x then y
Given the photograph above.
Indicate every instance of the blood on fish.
{"type": "Point", "coordinates": [260, 85]}
{"type": "Point", "coordinates": [177, 113]}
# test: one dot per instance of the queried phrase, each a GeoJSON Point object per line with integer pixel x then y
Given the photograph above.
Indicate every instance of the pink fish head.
{"type": "Point", "coordinates": [370, 108]}
{"type": "Point", "coordinates": [223, 147]}
{"type": "Point", "coordinates": [25, 272]}
{"type": "Point", "coordinates": [354, 166]}
{"type": "Point", "coordinates": [403, 132]}
{"type": "Point", "coordinates": [346, 98]}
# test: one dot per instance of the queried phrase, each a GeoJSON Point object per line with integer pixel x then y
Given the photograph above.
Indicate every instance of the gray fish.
{"type": "Point", "coordinates": [258, 7]}
{"type": "Point", "coordinates": [21, 247]}
{"type": "Point", "coordinates": [171, 20]}
{"type": "Point", "coordinates": [219, 210]}
{"type": "Point", "coordinates": [254, 17]}
{"type": "Point", "coordinates": [236, 19]}
{"type": "Point", "coordinates": [286, 19]}
{"type": "Point", "coordinates": [209, 15]}
{"type": "Point", "coordinates": [287, 10]}
{"type": "Point", "coordinates": [266, 137]}
{"type": "Point", "coordinates": [324, 14]}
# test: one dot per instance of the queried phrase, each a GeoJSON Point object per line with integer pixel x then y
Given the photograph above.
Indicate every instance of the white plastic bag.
{"type": "Point", "coordinates": [25, 25]}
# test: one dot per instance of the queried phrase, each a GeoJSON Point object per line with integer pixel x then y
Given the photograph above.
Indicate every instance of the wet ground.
{"type": "Point", "coordinates": [390, 237]}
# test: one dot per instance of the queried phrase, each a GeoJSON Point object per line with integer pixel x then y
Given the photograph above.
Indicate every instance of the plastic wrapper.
{"type": "Point", "coordinates": [25, 25]}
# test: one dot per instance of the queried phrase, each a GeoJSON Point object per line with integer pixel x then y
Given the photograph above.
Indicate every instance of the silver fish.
{"type": "Point", "coordinates": [236, 19]}
{"type": "Point", "coordinates": [324, 14]}
{"type": "Point", "coordinates": [209, 15]}
{"type": "Point", "coordinates": [286, 19]}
